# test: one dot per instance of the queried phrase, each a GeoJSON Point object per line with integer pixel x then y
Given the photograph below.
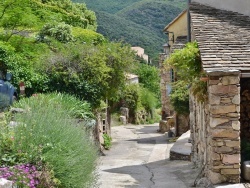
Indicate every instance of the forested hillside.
{"type": "Point", "coordinates": [125, 20]}
{"type": "Point", "coordinates": [128, 31]}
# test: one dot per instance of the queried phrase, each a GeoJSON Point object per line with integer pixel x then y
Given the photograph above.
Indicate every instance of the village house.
{"type": "Point", "coordinates": [176, 32]}
{"type": "Point", "coordinates": [140, 53]}
{"type": "Point", "coordinates": [220, 127]}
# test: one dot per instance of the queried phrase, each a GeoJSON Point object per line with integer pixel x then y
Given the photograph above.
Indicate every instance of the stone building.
{"type": "Point", "coordinates": [219, 125]}
{"type": "Point", "coordinates": [177, 38]}
{"type": "Point", "coordinates": [140, 52]}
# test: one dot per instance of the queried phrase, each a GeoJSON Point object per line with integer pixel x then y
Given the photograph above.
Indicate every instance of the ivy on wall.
{"type": "Point", "coordinates": [186, 63]}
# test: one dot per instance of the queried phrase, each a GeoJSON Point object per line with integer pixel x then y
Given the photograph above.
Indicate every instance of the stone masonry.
{"type": "Point", "coordinates": [165, 78]}
{"type": "Point", "coordinates": [224, 128]}
{"type": "Point", "coordinates": [215, 129]}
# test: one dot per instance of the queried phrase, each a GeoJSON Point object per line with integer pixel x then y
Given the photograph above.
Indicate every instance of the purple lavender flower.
{"type": "Point", "coordinates": [22, 175]}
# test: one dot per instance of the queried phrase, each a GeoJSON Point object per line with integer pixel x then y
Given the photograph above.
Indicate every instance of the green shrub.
{"type": "Point", "coordinates": [87, 36]}
{"type": "Point", "coordinates": [48, 137]}
{"type": "Point", "coordinates": [186, 63]}
{"type": "Point", "coordinates": [61, 32]}
{"type": "Point", "coordinates": [149, 77]}
{"type": "Point", "coordinates": [139, 100]}
{"type": "Point", "coordinates": [107, 141]}
{"type": "Point", "coordinates": [179, 97]}
{"type": "Point", "coordinates": [148, 99]}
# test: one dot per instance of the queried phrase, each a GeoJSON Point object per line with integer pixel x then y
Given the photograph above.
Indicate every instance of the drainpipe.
{"type": "Point", "coordinates": [188, 22]}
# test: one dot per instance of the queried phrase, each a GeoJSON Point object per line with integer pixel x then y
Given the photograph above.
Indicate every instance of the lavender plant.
{"type": "Point", "coordinates": [24, 175]}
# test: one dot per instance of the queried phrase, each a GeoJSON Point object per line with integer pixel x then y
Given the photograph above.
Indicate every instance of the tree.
{"type": "Point", "coordinates": [61, 32]}
{"type": "Point", "coordinates": [149, 76]}
{"type": "Point", "coordinates": [92, 73]}
{"type": "Point", "coordinates": [15, 15]}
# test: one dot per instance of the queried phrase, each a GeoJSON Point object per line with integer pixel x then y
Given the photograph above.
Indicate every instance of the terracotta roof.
{"type": "Point", "coordinates": [183, 12]}
{"type": "Point", "coordinates": [223, 38]}
{"type": "Point", "coordinates": [179, 43]}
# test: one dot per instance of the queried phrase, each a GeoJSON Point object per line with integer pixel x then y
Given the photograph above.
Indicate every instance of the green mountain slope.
{"type": "Point", "coordinates": [110, 6]}
{"type": "Point", "coordinates": [138, 22]}
{"type": "Point", "coordinates": [134, 34]}
{"type": "Point", "coordinates": [153, 14]}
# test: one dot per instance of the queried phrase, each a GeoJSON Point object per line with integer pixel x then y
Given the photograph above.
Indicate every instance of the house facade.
{"type": "Point", "coordinates": [220, 126]}
{"type": "Point", "coordinates": [140, 52]}
{"type": "Point", "coordinates": [176, 32]}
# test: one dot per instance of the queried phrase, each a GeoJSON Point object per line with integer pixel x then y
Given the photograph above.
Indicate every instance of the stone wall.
{"type": "Point", "coordinates": [165, 78]}
{"type": "Point", "coordinates": [199, 120]}
{"type": "Point", "coordinates": [224, 125]}
{"type": "Point", "coordinates": [215, 129]}
{"type": "Point", "coordinates": [182, 124]}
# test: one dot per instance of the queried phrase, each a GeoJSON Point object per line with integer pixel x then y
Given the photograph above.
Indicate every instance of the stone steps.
{"type": "Point", "coordinates": [181, 150]}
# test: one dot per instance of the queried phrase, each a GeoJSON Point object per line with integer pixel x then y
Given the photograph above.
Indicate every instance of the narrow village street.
{"type": "Point", "coordinates": [139, 157]}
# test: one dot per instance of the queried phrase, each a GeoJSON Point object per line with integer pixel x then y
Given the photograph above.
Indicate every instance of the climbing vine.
{"type": "Point", "coordinates": [186, 64]}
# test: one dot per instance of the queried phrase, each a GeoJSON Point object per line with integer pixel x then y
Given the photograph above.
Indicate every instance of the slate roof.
{"type": "Point", "coordinates": [179, 43]}
{"type": "Point", "coordinates": [223, 38]}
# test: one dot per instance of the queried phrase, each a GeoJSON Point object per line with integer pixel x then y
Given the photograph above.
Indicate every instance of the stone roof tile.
{"type": "Point", "coordinates": [223, 38]}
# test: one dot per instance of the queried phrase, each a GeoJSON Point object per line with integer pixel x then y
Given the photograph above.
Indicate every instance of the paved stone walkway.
{"type": "Point", "coordinates": [139, 158]}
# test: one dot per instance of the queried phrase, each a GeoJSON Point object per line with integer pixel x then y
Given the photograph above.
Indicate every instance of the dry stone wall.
{"type": "Point", "coordinates": [224, 128]}
{"type": "Point", "coordinates": [198, 127]}
{"type": "Point", "coordinates": [165, 78]}
{"type": "Point", "coordinates": [215, 129]}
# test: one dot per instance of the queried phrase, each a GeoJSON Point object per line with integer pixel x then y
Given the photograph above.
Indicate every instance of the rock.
{"type": "Point", "coordinates": [225, 100]}
{"type": "Point", "coordinates": [231, 159]}
{"type": "Point", "coordinates": [204, 182]}
{"type": "Point", "coordinates": [225, 133]}
{"type": "Point", "coordinates": [223, 149]}
{"type": "Point", "coordinates": [229, 80]}
{"type": "Point", "coordinates": [215, 156]}
{"type": "Point", "coordinates": [164, 126]}
{"type": "Point", "coordinates": [233, 115]}
{"type": "Point", "coordinates": [17, 110]}
{"type": "Point", "coordinates": [217, 121]}
{"type": "Point", "coordinates": [123, 119]}
{"type": "Point", "coordinates": [213, 82]}
{"type": "Point", "coordinates": [222, 109]}
{"type": "Point", "coordinates": [13, 124]}
{"type": "Point", "coordinates": [230, 171]}
{"type": "Point", "coordinates": [236, 99]}
{"type": "Point", "coordinates": [5, 183]}
{"type": "Point", "coordinates": [236, 125]}
{"type": "Point", "coordinates": [213, 99]}
{"type": "Point", "coordinates": [232, 143]}
{"type": "Point", "coordinates": [124, 112]}
{"type": "Point", "coordinates": [215, 178]}
{"type": "Point", "coordinates": [222, 90]}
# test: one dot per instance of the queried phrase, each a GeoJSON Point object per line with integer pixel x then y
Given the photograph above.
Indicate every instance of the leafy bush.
{"type": "Point", "coordinates": [187, 64]}
{"type": "Point", "coordinates": [139, 100]}
{"type": "Point", "coordinates": [179, 97]}
{"type": "Point", "coordinates": [149, 77]}
{"type": "Point", "coordinates": [148, 99]}
{"type": "Point", "coordinates": [50, 139]}
{"type": "Point", "coordinates": [107, 141]}
{"type": "Point", "coordinates": [61, 32]}
{"type": "Point", "coordinates": [87, 36]}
